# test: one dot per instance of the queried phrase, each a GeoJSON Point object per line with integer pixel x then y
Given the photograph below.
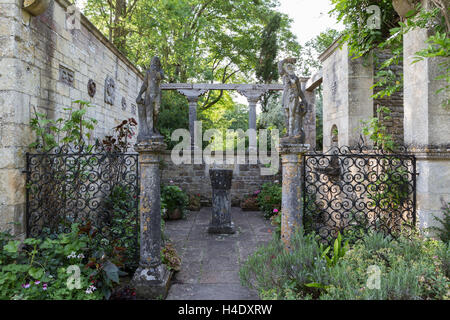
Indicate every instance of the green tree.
{"type": "Point", "coordinates": [267, 68]}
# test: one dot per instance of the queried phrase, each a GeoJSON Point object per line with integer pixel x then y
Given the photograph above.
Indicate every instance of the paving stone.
{"type": "Point", "coordinates": [210, 263]}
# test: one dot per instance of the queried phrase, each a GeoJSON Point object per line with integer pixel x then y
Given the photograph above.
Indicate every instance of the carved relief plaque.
{"type": "Point", "coordinates": [110, 90]}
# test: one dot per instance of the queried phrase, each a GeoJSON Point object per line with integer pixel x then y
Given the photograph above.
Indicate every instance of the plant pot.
{"type": "Point", "coordinates": [174, 214]}
{"type": "Point", "coordinates": [250, 204]}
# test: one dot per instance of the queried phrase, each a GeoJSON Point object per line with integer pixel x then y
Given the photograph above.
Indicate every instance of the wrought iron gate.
{"type": "Point", "coordinates": [356, 191]}
{"type": "Point", "coordinates": [84, 185]}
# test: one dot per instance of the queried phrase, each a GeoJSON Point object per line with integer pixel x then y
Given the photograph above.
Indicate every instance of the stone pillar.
{"type": "Point", "coordinates": [291, 201]}
{"type": "Point", "coordinates": [151, 279]}
{"type": "Point", "coordinates": [309, 121]}
{"type": "Point", "coordinates": [192, 95]}
{"type": "Point", "coordinates": [253, 96]}
{"type": "Point", "coordinates": [426, 127]}
{"type": "Point", "coordinates": [252, 113]}
{"type": "Point", "coordinates": [221, 201]}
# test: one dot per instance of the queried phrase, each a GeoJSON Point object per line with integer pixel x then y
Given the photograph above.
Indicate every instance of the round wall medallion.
{"type": "Point", "coordinates": [92, 88]}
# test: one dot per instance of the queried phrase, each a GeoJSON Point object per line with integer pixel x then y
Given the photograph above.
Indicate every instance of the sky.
{"type": "Point", "coordinates": [310, 17]}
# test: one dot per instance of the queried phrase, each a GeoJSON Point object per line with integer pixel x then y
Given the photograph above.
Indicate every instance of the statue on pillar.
{"type": "Point", "coordinates": [148, 106]}
{"type": "Point", "coordinates": [294, 101]}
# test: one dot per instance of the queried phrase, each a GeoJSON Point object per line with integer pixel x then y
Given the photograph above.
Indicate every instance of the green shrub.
{"type": "Point", "coordinates": [410, 269]}
{"type": "Point", "coordinates": [269, 199]}
{"type": "Point", "coordinates": [122, 227]}
{"type": "Point", "coordinates": [444, 230]}
{"type": "Point", "coordinates": [275, 272]}
{"type": "Point", "coordinates": [173, 198]}
{"type": "Point", "coordinates": [415, 268]}
{"type": "Point", "coordinates": [42, 268]}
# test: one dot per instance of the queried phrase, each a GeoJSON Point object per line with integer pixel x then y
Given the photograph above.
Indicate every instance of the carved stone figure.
{"type": "Point", "coordinates": [294, 101]}
{"type": "Point", "coordinates": [149, 104]}
{"type": "Point", "coordinates": [92, 88]}
{"type": "Point", "coordinates": [110, 90]}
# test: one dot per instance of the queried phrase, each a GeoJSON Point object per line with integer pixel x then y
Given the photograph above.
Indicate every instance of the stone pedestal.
{"type": "Point", "coordinates": [221, 201]}
{"type": "Point", "coordinates": [291, 202]}
{"type": "Point", "coordinates": [152, 278]}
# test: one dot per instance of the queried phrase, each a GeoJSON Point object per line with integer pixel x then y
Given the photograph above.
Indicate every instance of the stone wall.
{"type": "Point", "coordinates": [346, 96]}
{"type": "Point", "coordinates": [394, 102]}
{"type": "Point", "coordinates": [194, 178]}
{"type": "Point", "coordinates": [427, 127]}
{"type": "Point", "coordinates": [45, 66]}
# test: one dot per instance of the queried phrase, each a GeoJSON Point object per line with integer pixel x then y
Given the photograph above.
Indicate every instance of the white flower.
{"type": "Point", "coordinates": [90, 289]}
{"type": "Point", "coordinates": [80, 256]}
{"type": "Point", "coordinates": [72, 255]}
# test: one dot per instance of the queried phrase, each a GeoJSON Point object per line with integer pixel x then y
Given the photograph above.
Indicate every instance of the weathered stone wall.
{"type": "Point", "coordinates": [194, 178]}
{"type": "Point", "coordinates": [394, 102]}
{"type": "Point", "coordinates": [346, 96]}
{"type": "Point", "coordinates": [427, 127]}
{"type": "Point", "coordinates": [45, 65]}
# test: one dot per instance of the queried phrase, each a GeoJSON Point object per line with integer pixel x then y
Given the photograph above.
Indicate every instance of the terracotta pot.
{"type": "Point", "coordinates": [174, 214]}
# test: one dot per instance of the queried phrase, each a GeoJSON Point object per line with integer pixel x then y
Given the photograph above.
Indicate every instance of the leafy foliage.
{"type": "Point", "coordinates": [39, 268]}
{"type": "Point", "coordinates": [169, 257]}
{"type": "Point", "coordinates": [174, 198]}
{"type": "Point", "coordinates": [269, 199]}
{"type": "Point", "coordinates": [52, 133]}
{"type": "Point", "coordinates": [409, 269]}
{"type": "Point", "coordinates": [443, 231]}
{"type": "Point", "coordinates": [377, 132]}
{"type": "Point", "coordinates": [119, 142]}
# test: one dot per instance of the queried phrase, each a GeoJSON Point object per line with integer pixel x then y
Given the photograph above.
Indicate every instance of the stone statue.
{"type": "Point", "coordinates": [294, 101]}
{"type": "Point", "coordinates": [148, 106]}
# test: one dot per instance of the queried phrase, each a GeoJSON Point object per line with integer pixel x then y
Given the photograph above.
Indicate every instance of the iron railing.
{"type": "Point", "coordinates": [357, 190]}
{"type": "Point", "coordinates": [87, 185]}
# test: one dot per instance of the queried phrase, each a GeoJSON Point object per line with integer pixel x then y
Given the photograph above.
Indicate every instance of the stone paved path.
{"type": "Point", "coordinates": [210, 263]}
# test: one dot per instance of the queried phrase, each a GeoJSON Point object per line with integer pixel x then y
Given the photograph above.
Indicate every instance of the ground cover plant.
{"type": "Point", "coordinates": [376, 267]}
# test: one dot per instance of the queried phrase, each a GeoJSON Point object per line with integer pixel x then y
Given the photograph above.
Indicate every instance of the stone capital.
{"type": "Point", "coordinates": [153, 145]}
{"type": "Point", "coordinates": [287, 148]}
{"type": "Point", "coordinates": [192, 94]}
{"type": "Point", "coordinates": [252, 95]}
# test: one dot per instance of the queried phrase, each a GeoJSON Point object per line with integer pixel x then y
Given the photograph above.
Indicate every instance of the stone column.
{"type": "Point", "coordinates": [292, 187]}
{"type": "Point", "coordinates": [151, 279]}
{"type": "Point", "coordinates": [221, 201]}
{"type": "Point", "coordinates": [253, 96]}
{"type": "Point", "coordinates": [252, 113]}
{"type": "Point", "coordinates": [192, 95]}
{"type": "Point", "coordinates": [426, 127]}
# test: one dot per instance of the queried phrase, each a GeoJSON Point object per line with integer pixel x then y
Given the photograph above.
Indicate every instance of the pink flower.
{"type": "Point", "coordinates": [257, 192]}
{"type": "Point", "coordinates": [26, 285]}
{"type": "Point", "coordinates": [275, 210]}
{"type": "Point", "coordinates": [37, 282]}
{"type": "Point", "coordinates": [44, 286]}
